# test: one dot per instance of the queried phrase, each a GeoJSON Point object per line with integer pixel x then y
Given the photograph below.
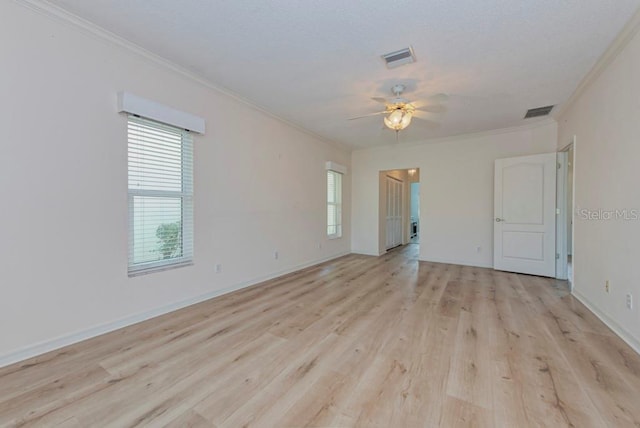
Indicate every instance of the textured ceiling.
{"type": "Point", "coordinates": [317, 63]}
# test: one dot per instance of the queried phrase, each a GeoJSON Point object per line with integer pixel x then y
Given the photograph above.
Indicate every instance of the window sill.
{"type": "Point", "coordinates": [152, 269]}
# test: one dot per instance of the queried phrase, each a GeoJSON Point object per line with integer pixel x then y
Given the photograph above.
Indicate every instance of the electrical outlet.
{"type": "Point", "coordinates": [218, 268]}
{"type": "Point", "coordinates": [629, 301]}
{"type": "Point", "coordinates": [606, 286]}
{"type": "Point", "coordinates": [478, 249]}
{"type": "Point", "coordinates": [276, 255]}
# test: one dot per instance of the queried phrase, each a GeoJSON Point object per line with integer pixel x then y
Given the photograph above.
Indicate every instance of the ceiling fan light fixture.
{"type": "Point", "coordinates": [396, 117]}
{"type": "Point", "coordinates": [398, 120]}
{"type": "Point", "coordinates": [406, 120]}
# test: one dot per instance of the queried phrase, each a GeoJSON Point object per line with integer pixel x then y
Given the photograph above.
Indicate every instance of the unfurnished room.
{"type": "Point", "coordinates": [337, 214]}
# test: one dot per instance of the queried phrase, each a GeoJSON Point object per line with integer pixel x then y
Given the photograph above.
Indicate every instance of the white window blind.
{"type": "Point", "coordinates": [334, 204]}
{"type": "Point", "coordinates": [160, 195]}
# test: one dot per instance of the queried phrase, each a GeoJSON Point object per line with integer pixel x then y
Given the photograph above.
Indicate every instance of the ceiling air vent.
{"type": "Point", "coordinates": [398, 58]}
{"type": "Point", "coordinates": [537, 112]}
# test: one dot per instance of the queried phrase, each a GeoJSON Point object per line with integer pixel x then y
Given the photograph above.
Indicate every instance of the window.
{"type": "Point", "coordinates": [334, 204]}
{"type": "Point", "coordinates": [160, 196]}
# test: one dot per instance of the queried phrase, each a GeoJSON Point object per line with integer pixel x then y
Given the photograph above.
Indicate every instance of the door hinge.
{"type": "Point", "coordinates": [559, 166]}
{"type": "Point", "coordinates": [557, 256]}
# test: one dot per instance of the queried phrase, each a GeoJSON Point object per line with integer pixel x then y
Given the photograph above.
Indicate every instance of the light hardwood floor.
{"type": "Point", "coordinates": [360, 341]}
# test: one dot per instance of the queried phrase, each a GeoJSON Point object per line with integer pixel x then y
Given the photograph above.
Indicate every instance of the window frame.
{"type": "Point", "coordinates": [337, 203]}
{"type": "Point", "coordinates": [184, 195]}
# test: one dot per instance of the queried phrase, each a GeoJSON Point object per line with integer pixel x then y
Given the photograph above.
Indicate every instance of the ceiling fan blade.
{"type": "Point", "coordinates": [367, 115]}
{"type": "Point", "coordinates": [380, 100]}
{"type": "Point", "coordinates": [438, 98]}
{"type": "Point", "coordinates": [432, 108]}
{"type": "Point", "coordinates": [423, 115]}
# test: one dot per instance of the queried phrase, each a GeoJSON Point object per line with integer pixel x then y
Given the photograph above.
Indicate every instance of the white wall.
{"type": "Point", "coordinates": [456, 191]}
{"type": "Point", "coordinates": [606, 122]}
{"type": "Point", "coordinates": [260, 186]}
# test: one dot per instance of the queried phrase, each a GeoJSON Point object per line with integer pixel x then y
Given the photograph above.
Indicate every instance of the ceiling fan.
{"type": "Point", "coordinates": [399, 111]}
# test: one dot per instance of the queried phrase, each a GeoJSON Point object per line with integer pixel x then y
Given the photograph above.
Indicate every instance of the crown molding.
{"type": "Point", "coordinates": [619, 43]}
{"type": "Point", "coordinates": [49, 10]}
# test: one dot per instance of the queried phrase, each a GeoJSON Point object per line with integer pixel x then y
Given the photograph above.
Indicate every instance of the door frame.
{"type": "Point", "coordinates": [392, 182]}
{"type": "Point", "coordinates": [414, 201]}
{"type": "Point", "coordinates": [563, 216]}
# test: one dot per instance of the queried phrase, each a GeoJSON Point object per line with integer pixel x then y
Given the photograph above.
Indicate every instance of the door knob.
{"type": "Point", "coordinates": [498, 220]}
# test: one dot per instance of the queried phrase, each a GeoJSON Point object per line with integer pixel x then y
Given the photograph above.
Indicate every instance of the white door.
{"type": "Point", "coordinates": [394, 213]}
{"type": "Point", "coordinates": [524, 238]}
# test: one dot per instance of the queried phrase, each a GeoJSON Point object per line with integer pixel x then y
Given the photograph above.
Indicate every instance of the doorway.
{"type": "Point", "coordinates": [396, 225]}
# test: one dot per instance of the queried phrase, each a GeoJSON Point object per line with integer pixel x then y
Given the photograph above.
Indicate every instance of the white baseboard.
{"type": "Point", "coordinates": [69, 339]}
{"type": "Point", "coordinates": [613, 325]}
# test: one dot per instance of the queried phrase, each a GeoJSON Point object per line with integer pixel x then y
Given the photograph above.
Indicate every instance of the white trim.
{"type": "Point", "coordinates": [336, 203]}
{"type": "Point", "coordinates": [334, 166]}
{"type": "Point", "coordinates": [619, 43]}
{"type": "Point", "coordinates": [561, 216]}
{"type": "Point", "coordinates": [47, 9]}
{"type": "Point", "coordinates": [613, 325]}
{"type": "Point", "coordinates": [572, 146]}
{"type": "Point", "coordinates": [562, 220]}
{"type": "Point", "coordinates": [71, 338]}
{"type": "Point", "coordinates": [130, 103]}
